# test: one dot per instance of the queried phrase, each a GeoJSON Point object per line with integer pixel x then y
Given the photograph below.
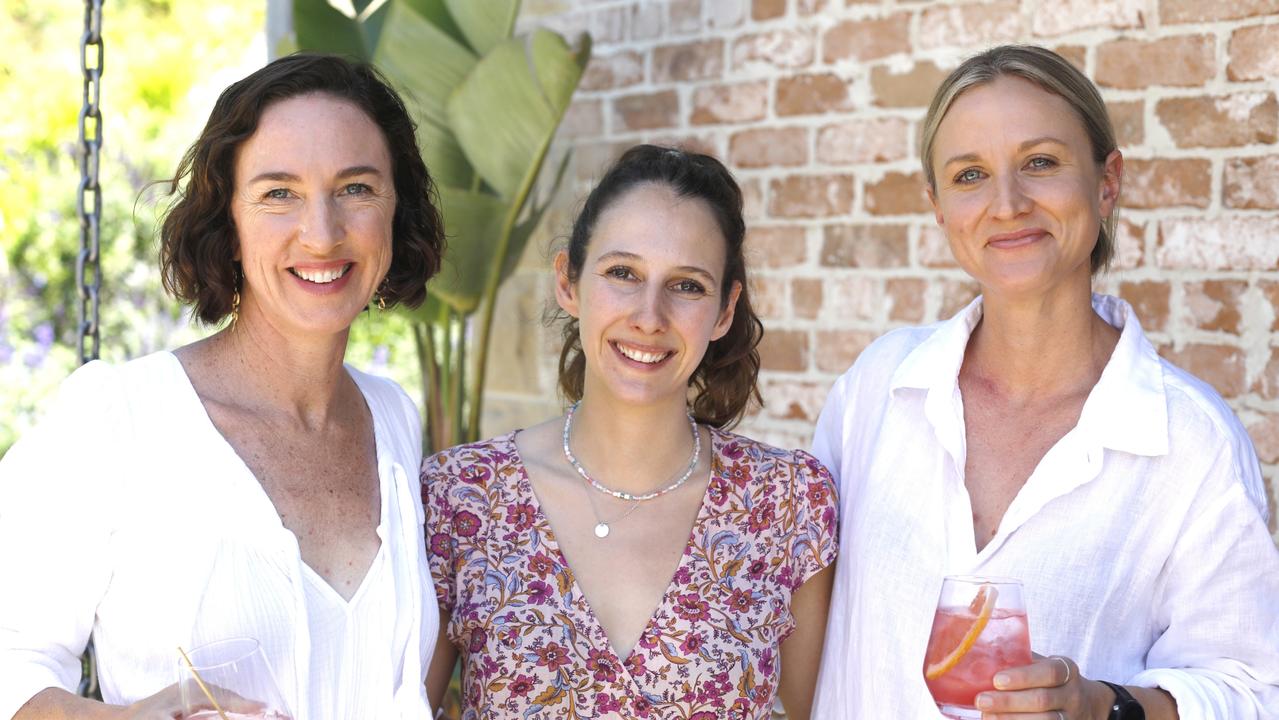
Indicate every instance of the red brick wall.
{"type": "Point", "coordinates": [816, 105]}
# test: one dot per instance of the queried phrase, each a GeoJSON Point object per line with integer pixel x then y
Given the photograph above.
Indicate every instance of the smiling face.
{"type": "Point", "coordinates": [1018, 192]}
{"type": "Point", "coordinates": [313, 207]}
{"type": "Point", "coordinates": [648, 300]}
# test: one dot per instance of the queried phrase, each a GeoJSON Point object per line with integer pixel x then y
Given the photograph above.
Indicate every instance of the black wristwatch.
{"type": "Point", "coordinates": [1125, 706]}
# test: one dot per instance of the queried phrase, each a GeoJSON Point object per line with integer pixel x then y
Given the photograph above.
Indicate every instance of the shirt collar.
{"type": "Point", "coordinates": [1126, 410]}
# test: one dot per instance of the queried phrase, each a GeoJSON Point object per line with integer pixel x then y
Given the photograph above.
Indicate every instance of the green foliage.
{"type": "Point", "coordinates": [487, 107]}
{"type": "Point", "coordinates": [163, 68]}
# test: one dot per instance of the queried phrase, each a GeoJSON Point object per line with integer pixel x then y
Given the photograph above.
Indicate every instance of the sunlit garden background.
{"type": "Point", "coordinates": [166, 61]}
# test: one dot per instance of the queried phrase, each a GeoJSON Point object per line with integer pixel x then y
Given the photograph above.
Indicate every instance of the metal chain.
{"type": "Point", "coordinates": [89, 199]}
{"type": "Point", "coordinates": [89, 207]}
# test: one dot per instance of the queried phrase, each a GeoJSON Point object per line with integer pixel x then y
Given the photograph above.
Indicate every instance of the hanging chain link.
{"type": "Point", "coordinates": [89, 207]}
{"type": "Point", "coordinates": [89, 199]}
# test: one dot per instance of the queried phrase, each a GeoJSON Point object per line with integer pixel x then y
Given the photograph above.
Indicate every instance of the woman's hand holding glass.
{"type": "Point", "coordinates": [228, 680]}
{"type": "Point", "coordinates": [1049, 687]}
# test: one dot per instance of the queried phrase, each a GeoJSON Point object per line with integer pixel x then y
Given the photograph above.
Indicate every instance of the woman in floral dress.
{"type": "Point", "coordinates": [632, 558]}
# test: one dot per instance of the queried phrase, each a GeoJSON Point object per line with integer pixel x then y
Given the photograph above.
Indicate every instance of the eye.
{"type": "Point", "coordinates": [969, 176]}
{"type": "Point", "coordinates": [690, 287]}
{"type": "Point", "coordinates": [1039, 162]}
{"type": "Point", "coordinates": [619, 272]}
{"type": "Point", "coordinates": [276, 194]}
{"type": "Point", "coordinates": [356, 189]}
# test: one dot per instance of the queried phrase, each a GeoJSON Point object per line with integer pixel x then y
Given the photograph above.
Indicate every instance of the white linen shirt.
{"type": "Point", "coordinates": [125, 512]}
{"type": "Point", "coordinates": [1140, 537]}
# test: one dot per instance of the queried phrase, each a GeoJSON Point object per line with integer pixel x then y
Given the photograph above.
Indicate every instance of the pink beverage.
{"type": "Point", "coordinates": [1004, 643]}
{"type": "Point", "coordinates": [979, 629]}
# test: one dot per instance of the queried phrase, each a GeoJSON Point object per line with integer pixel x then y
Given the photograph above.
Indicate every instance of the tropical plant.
{"type": "Point", "coordinates": [487, 105]}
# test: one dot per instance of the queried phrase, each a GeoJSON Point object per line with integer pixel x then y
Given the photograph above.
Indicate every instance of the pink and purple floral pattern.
{"type": "Point", "coordinates": [533, 647]}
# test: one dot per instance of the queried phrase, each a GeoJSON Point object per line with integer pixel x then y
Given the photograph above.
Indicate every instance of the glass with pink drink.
{"type": "Point", "coordinates": [979, 629]}
{"type": "Point", "coordinates": [229, 679]}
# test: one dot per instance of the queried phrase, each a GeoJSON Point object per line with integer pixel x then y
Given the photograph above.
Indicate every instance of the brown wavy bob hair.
{"type": "Point", "coordinates": [198, 239]}
{"type": "Point", "coordinates": [725, 382]}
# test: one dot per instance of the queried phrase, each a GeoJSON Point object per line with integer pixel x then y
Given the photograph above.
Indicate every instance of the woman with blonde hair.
{"type": "Point", "coordinates": [1038, 435]}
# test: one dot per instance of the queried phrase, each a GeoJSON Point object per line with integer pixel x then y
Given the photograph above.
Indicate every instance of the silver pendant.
{"type": "Point", "coordinates": [601, 530]}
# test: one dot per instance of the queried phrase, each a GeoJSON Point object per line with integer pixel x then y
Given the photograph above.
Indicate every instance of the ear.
{"type": "Point", "coordinates": [1112, 177]}
{"type": "Point", "coordinates": [565, 289]}
{"type": "Point", "coordinates": [932, 200]}
{"type": "Point", "coordinates": [725, 320]}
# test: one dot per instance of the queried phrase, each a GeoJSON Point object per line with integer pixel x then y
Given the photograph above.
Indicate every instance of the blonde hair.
{"type": "Point", "coordinates": [1054, 74]}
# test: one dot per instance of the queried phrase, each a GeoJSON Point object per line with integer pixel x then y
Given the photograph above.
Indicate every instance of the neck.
{"type": "Point", "coordinates": [1040, 347]}
{"type": "Point", "coordinates": [282, 373]}
{"type": "Point", "coordinates": [632, 449]}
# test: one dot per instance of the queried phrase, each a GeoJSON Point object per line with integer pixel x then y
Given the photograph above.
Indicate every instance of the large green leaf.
{"type": "Point", "coordinates": [473, 221]}
{"type": "Point", "coordinates": [438, 15]}
{"type": "Point", "coordinates": [521, 233]}
{"type": "Point", "coordinates": [321, 26]}
{"type": "Point", "coordinates": [484, 22]}
{"type": "Point", "coordinates": [558, 78]}
{"type": "Point", "coordinates": [504, 116]}
{"type": "Point", "coordinates": [426, 65]}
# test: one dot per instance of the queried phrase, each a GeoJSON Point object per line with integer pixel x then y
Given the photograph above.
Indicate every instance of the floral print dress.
{"type": "Point", "coordinates": [532, 644]}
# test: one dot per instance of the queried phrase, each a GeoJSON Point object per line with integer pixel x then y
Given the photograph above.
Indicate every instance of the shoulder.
{"type": "Point", "coordinates": [396, 412]}
{"type": "Point", "coordinates": [860, 394]}
{"type": "Point", "coordinates": [116, 389]}
{"type": "Point", "coordinates": [875, 365]}
{"type": "Point", "coordinates": [1201, 424]}
{"type": "Point", "coordinates": [767, 458]}
{"type": "Point", "coordinates": [473, 464]}
{"type": "Point", "coordinates": [383, 390]}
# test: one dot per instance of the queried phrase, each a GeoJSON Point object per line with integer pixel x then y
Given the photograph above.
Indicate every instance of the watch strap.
{"type": "Point", "coordinates": [1125, 706]}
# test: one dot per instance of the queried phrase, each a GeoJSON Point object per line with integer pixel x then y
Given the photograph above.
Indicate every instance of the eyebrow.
{"type": "Point", "coordinates": [974, 157]}
{"type": "Point", "coordinates": [280, 176]}
{"type": "Point", "coordinates": [630, 256]}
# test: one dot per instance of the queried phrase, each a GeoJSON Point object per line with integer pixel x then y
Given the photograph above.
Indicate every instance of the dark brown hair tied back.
{"type": "Point", "coordinates": [726, 381]}
{"type": "Point", "coordinates": [198, 238]}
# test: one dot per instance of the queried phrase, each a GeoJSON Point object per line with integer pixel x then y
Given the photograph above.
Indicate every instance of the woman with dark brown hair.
{"type": "Point", "coordinates": [249, 484]}
{"type": "Point", "coordinates": [632, 558]}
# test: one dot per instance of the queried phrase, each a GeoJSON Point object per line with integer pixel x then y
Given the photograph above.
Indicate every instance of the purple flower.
{"type": "Point", "coordinates": [539, 592]}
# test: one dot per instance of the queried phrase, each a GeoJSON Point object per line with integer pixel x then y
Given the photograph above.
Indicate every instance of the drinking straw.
{"type": "Point", "coordinates": [200, 682]}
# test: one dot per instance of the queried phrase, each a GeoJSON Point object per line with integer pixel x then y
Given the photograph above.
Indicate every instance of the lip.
{"type": "Point", "coordinates": [328, 288]}
{"type": "Point", "coordinates": [1020, 238]}
{"type": "Point", "coordinates": [641, 348]}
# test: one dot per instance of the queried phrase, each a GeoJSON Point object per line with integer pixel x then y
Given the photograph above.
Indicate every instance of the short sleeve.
{"type": "Point", "coordinates": [438, 473]}
{"type": "Point", "coordinates": [814, 540]}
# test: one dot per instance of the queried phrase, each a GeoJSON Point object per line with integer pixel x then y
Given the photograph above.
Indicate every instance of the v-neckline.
{"type": "Point", "coordinates": [525, 487]}
{"type": "Point", "coordinates": [255, 487]}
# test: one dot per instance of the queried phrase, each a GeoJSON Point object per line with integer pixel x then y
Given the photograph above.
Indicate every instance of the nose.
{"type": "Point", "coordinates": [1010, 199]}
{"type": "Point", "coordinates": [650, 312]}
{"type": "Point", "coordinates": [321, 229]}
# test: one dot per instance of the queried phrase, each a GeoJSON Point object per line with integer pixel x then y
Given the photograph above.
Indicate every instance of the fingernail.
{"type": "Point", "coordinates": [984, 702]}
{"type": "Point", "coordinates": [1001, 680]}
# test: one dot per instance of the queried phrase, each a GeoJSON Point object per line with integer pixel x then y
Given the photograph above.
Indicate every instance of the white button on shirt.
{"type": "Point", "coordinates": [1140, 537]}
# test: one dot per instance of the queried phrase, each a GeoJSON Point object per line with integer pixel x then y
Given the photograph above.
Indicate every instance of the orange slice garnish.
{"type": "Point", "coordinates": [983, 605]}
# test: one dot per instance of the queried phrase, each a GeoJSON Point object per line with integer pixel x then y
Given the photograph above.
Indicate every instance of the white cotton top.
{"type": "Point", "coordinates": [125, 513]}
{"type": "Point", "coordinates": [1140, 537]}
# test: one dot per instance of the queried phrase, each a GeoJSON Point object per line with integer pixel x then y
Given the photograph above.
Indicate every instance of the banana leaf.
{"type": "Point", "coordinates": [474, 223]}
{"type": "Point", "coordinates": [485, 23]}
{"type": "Point", "coordinates": [507, 109]}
